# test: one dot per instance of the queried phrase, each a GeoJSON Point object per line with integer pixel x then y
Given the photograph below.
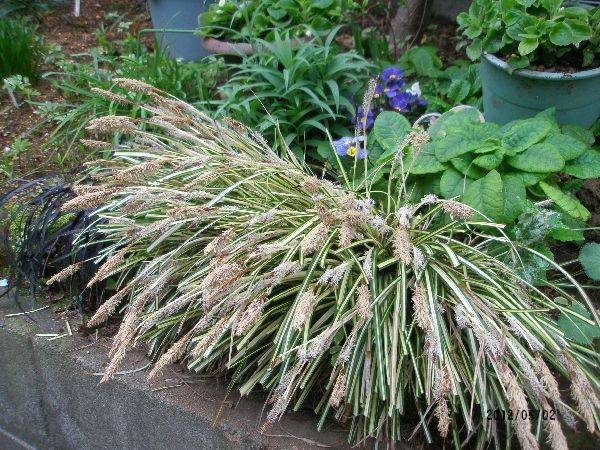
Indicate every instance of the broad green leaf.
{"type": "Point", "coordinates": [528, 178]}
{"type": "Point", "coordinates": [464, 164]}
{"type": "Point", "coordinates": [568, 204]}
{"type": "Point", "coordinates": [566, 229]}
{"type": "Point", "coordinates": [587, 166]}
{"type": "Point", "coordinates": [475, 49]}
{"type": "Point", "coordinates": [425, 62]}
{"type": "Point", "coordinates": [561, 34]}
{"type": "Point", "coordinates": [589, 257]}
{"type": "Point", "coordinates": [523, 134]}
{"type": "Point", "coordinates": [580, 30]}
{"type": "Point", "coordinates": [454, 120]}
{"type": "Point", "coordinates": [390, 129]}
{"type": "Point", "coordinates": [423, 161]}
{"type": "Point", "coordinates": [321, 4]}
{"type": "Point", "coordinates": [569, 147]}
{"type": "Point", "coordinates": [515, 197]}
{"type": "Point", "coordinates": [461, 140]}
{"type": "Point", "coordinates": [538, 158]}
{"type": "Point", "coordinates": [582, 134]}
{"type": "Point", "coordinates": [575, 328]}
{"type": "Point", "coordinates": [490, 161]}
{"type": "Point", "coordinates": [528, 45]}
{"type": "Point", "coordinates": [458, 90]}
{"type": "Point", "coordinates": [453, 183]}
{"type": "Point", "coordinates": [486, 196]}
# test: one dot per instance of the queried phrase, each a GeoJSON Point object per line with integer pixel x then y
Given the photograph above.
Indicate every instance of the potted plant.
{"type": "Point", "coordinates": [179, 17]}
{"type": "Point", "coordinates": [228, 26]}
{"type": "Point", "coordinates": [536, 54]}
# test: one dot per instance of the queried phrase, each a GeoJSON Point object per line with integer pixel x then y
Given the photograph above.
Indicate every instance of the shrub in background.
{"type": "Point", "coordinates": [20, 48]}
{"type": "Point", "coordinates": [379, 310]}
{"type": "Point", "coordinates": [295, 94]}
{"type": "Point", "coordinates": [86, 87]}
{"type": "Point", "coordinates": [251, 19]}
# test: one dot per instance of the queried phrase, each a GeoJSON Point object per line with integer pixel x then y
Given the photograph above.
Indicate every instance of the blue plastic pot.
{"type": "Point", "coordinates": [180, 15]}
{"type": "Point", "coordinates": [524, 93]}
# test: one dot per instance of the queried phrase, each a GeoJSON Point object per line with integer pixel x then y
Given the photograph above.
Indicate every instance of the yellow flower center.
{"type": "Point", "coordinates": [352, 151]}
{"type": "Point", "coordinates": [392, 76]}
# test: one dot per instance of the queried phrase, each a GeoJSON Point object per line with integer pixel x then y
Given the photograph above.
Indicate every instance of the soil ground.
{"type": "Point", "coordinates": [74, 35]}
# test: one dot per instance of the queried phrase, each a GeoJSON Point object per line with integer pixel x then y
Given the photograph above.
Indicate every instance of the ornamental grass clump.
{"type": "Point", "coordinates": [395, 318]}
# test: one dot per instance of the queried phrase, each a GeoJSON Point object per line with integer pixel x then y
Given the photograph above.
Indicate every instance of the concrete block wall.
{"type": "Point", "coordinates": [51, 399]}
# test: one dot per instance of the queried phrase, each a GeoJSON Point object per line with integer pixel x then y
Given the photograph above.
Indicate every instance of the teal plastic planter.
{"type": "Point", "coordinates": [179, 15]}
{"type": "Point", "coordinates": [524, 93]}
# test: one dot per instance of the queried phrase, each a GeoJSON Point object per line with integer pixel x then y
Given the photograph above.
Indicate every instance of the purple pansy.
{"type": "Point", "coordinates": [364, 120]}
{"type": "Point", "coordinates": [392, 74]}
{"type": "Point", "coordinates": [350, 146]}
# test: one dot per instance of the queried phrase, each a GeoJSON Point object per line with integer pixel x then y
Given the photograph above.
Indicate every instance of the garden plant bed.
{"type": "Point", "coordinates": [328, 241]}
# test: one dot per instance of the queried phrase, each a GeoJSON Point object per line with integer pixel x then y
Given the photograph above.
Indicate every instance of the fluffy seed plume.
{"type": "Point", "coordinates": [314, 239]}
{"type": "Point", "coordinates": [168, 310]}
{"type": "Point", "coordinates": [111, 96]}
{"type": "Point", "coordinates": [283, 270]}
{"type": "Point", "coordinates": [220, 277]}
{"type": "Point", "coordinates": [552, 391]}
{"type": "Point", "coordinates": [339, 389]}
{"type": "Point", "coordinates": [89, 200]}
{"type": "Point", "coordinates": [250, 315]}
{"type": "Point", "coordinates": [556, 437]}
{"type": "Point", "coordinates": [443, 415]}
{"type": "Point", "coordinates": [215, 246]}
{"type": "Point", "coordinates": [402, 245]}
{"type": "Point", "coordinates": [457, 210]}
{"type": "Point", "coordinates": [64, 274]}
{"type": "Point", "coordinates": [420, 306]}
{"type": "Point", "coordinates": [112, 124]}
{"type": "Point", "coordinates": [347, 234]}
{"type": "Point", "coordinates": [134, 85]}
{"type": "Point", "coordinates": [304, 308]}
{"type": "Point", "coordinates": [363, 302]}
{"type": "Point", "coordinates": [107, 308]}
{"type": "Point", "coordinates": [582, 392]}
{"type": "Point", "coordinates": [518, 402]}
{"type": "Point", "coordinates": [334, 275]}
{"type": "Point", "coordinates": [139, 171]}
{"type": "Point", "coordinates": [310, 185]}
{"type": "Point", "coordinates": [109, 265]}
{"type": "Point", "coordinates": [210, 337]}
{"type": "Point", "coordinates": [367, 265]}
{"type": "Point", "coordinates": [172, 355]}
{"type": "Point", "coordinates": [91, 143]}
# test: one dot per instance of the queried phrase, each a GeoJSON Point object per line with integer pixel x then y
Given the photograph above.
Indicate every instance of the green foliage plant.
{"type": "Point", "coordinates": [85, 82]}
{"type": "Point", "coordinates": [247, 20]}
{"type": "Point", "coordinates": [535, 33]}
{"type": "Point", "coordinates": [383, 312]}
{"type": "Point", "coordinates": [294, 94]}
{"type": "Point", "coordinates": [20, 48]}
{"type": "Point", "coordinates": [498, 170]}
{"type": "Point", "coordinates": [444, 88]}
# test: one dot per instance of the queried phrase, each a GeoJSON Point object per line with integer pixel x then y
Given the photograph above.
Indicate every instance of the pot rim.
{"type": "Point", "coordinates": [555, 76]}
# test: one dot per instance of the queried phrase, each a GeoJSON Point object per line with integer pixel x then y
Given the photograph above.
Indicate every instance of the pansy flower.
{"type": "Point", "coordinates": [392, 74]}
{"type": "Point", "coordinates": [391, 90]}
{"type": "Point", "coordinates": [364, 120]}
{"type": "Point", "coordinates": [350, 146]}
{"type": "Point", "coordinates": [378, 91]}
